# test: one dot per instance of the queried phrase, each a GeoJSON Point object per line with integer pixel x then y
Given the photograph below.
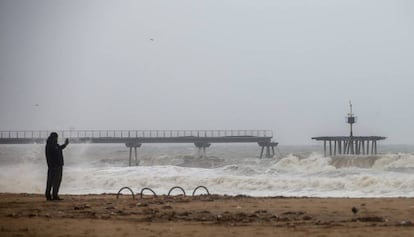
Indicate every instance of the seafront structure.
{"type": "Point", "coordinates": [350, 145]}
{"type": "Point", "coordinates": [133, 139]}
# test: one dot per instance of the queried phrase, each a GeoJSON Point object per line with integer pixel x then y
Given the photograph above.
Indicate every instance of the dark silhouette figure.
{"type": "Point", "coordinates": [54, 158]}
{"type": "Point", "coordinates": [354, 210]}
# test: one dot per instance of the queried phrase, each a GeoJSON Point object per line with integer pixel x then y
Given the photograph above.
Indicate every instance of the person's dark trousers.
{"type": "Point", "coordinates": [56, 180]}
{"type": "Point", "coordinates": [49, 183]}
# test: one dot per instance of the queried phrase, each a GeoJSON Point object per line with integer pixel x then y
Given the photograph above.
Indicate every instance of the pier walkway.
{"type": "Point", "coordinates": [135, 138]}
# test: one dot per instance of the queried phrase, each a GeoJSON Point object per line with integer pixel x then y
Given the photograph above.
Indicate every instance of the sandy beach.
{"type": "Point", "coordinates": [105, 215]}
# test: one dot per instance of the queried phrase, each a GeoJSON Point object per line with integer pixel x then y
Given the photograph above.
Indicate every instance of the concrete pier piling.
{"type": "Point", "coordinates": [270, 149]}
{"type": "Point", "coordinates": [202, 148]}
{"type": "Point", "coordinates": [133, 146]}
{"type": "Point", "coordinates": [357, 145]}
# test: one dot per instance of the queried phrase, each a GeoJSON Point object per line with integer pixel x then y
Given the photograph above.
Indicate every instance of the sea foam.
{"type": "Point", "coordinates": [228, 170]}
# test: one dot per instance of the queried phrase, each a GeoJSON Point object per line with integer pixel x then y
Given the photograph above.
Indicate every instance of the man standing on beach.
{"type": "Point", "coordinates": [54, 158]}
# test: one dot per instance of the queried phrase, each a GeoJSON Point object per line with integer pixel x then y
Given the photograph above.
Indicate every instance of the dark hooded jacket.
{"type": "Point", "coordinates": [54, 155]}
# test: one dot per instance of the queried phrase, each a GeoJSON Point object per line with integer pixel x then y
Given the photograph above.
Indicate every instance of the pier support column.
{"type": "Point", "coordinates": [363, 147]}
{"type": "Point", "coordinates": [357, 147]}
{"type": "Point", "coordinates": [270, 149]}
{"type": "Point", "coordinates": [345, 147]}
{"type": "Point", "coordinates": [339, 147]}
{"type": "Point", "coordinates": [372, 147]}
{"type": "Point", "coordinates": [202, 148]}
{"type": "Point", "coordinates": [330, 148]}
{"type": "Point", "coordinates": [134, 146]}
{"type": "Point", "coordinates": [360, 145]}
{"type": "Point", "coordinates": [352, 146]}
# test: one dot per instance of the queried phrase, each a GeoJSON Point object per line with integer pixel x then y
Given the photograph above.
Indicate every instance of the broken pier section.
{"type": "Point", "coordinates": [342, 145]}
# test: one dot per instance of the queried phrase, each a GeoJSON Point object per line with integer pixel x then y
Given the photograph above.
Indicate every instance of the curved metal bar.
{"type": "Point", "coordinates": [175, 187]}
{"type": "Point", "coordinates": [132, 192]}
{"type": "Point", "coordinates": [204, 187]}
{"type": "Point", "coordinates": [142, 191]}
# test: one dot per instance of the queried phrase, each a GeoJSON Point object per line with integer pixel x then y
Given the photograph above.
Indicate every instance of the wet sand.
{"type": "Point", "coordinates": [105, 215]}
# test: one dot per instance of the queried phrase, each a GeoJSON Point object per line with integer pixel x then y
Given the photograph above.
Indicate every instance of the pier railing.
{"type": "Point", "coordinates": [43, 134]}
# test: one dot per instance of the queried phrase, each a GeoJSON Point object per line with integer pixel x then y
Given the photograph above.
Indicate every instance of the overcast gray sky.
{"type": "Point", "coordinates": [289, 66]}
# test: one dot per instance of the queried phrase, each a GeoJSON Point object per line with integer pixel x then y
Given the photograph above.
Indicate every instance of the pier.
{"type": "Point", "coordinates": [350, 145]}
{"type": "Point", "coordinates": [133, 139]}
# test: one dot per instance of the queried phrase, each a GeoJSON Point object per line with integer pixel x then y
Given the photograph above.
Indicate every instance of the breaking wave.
{"type": "Point", "coordinates": [227, 170]}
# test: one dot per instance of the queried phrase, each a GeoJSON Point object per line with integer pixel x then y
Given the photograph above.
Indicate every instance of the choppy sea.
{"type": "Point", "coordinates": [227, 169]}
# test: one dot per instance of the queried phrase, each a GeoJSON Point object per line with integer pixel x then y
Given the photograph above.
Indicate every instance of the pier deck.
{"type": "Point", "coordinates": [140, 136]}
{"type": "Point", "coordinates": [135, 138]}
